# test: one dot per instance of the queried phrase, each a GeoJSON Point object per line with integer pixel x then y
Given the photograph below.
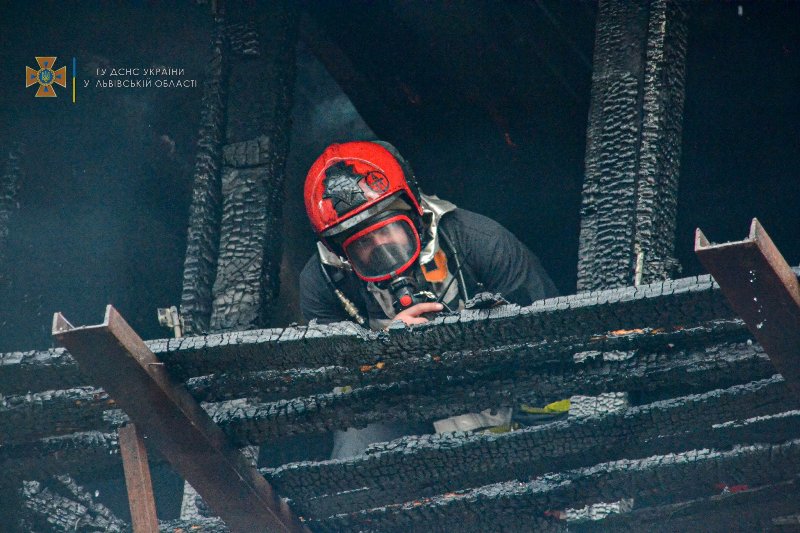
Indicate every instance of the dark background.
{"type": "Point", "coordinates": [488, 100]}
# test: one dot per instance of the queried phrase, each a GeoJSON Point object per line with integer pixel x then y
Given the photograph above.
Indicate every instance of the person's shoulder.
{"type": "Point", "coordinates": [311, 272]}
{"type": "Point", "coordinates": [463, 220]}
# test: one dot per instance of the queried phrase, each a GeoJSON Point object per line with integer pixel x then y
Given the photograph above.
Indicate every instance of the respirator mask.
{"type": "Point", "coordinates": [384, 253]}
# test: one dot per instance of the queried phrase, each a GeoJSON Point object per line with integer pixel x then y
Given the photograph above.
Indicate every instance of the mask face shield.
{"type": "Point", "coordinates": [383, 249]}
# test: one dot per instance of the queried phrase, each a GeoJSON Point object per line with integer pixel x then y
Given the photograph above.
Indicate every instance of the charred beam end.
{"type": "Point", "coordinates": [763, 290]}
{"type": "Point", "coordinates": [90, 452]}
{"type": "Point", "coordinates": [32, 371]}
{"type": "Point", "coordinates": [118, 359]}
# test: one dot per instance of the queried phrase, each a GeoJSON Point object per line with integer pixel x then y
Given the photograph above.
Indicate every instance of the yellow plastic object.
{"type": "Point", "coordinates": [555, 408]}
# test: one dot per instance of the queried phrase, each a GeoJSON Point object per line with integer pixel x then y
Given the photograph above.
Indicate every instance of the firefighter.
{"type": "Point", "coordinates": [388, 252]}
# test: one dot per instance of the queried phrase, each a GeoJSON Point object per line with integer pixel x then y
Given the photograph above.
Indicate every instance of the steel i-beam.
{"type": "Point", "coordinates": [114, 356]}
{"type": "Point", "coordinates": [763, 290]}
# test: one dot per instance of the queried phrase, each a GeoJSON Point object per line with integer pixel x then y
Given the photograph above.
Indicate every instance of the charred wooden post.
{"type": "Point", "coordinates": [258, 124]}
{"type": "Point", "coordinates": [633, 144]}
{"type": "Point", "coordinates": [204, 220]}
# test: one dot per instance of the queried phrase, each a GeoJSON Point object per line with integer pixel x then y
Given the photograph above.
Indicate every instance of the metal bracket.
{"type": "Point", "coordinates": [763, 290]}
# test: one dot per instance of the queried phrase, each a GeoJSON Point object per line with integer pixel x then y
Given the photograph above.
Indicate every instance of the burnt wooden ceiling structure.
{"type": "Point", "coordinates": [709, 438]}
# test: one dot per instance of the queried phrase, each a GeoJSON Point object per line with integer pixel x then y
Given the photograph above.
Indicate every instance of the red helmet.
{"type": "Point", "coordinates": [351, 192]}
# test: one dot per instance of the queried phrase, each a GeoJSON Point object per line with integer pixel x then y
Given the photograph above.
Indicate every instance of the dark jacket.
{"type": "Point", "coordinates": [494, 261]}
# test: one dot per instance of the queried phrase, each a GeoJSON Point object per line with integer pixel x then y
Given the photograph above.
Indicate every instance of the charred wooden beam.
{"type": "Point", "coordinates": [681, 362]}
{"type": "Point", "coordinates": [204, 219]}
{"type": "Point", "coordinates": [199, 525]}
{"type": "Point", "coordinates": [63, 505]}
{"type": "Point", "coordinates": [655, 480]}
{"type": "Point", "coordinates": [417, 467]}
{"type": "Point", "coordinates": [745, 509]}
{"type": "Point", "coordinates": [763, 290]}
{"type": "Point", "coordinates": [664, 305]}
{"type": "Point", "coordinates": [91, 452]}
{"type": "Point", "coordinates": [118, 359]}
{"type": "Point", "coordinates": [258, 126]}
{"type": "Point", "coordinates": [633, 144]}
{"type": "Point", "coordinates": [248, 421]}
{"type": "Point", "coordinates": [59, 412]}
{"type": "Point", "coordinates": [669, 304]}
{"type": "Point", "coordinates": [34, 371]}
{"type": "Point", "coordinates": [547, 361]}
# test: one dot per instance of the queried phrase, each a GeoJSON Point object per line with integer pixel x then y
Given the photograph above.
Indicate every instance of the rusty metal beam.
{"type": "Point", "coordinates": [117, 359]}
{"type": "Point", "coordinates": [137, 480]}
{"type": "Point", "coordinates": [763, 290]}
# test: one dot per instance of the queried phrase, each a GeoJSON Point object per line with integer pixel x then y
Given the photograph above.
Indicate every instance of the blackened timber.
{"type": "Point", "coordinates": [548, 359]}
{"type": "Point", "coordinates": [91, 453]}
{"type": "Point", "coordinates": [655, 480]}
{"type": "Point", "coordinates": [118, 359]}
{"type": "Point", "coordinates": [62, 505]}
{"type": "Point", "coordinates": [532, 374]}
{"type": "Point", "coordinates": [258, 122]}
{"type": "Point", "coordinates": [204, 218]}
{"type": "Point", "coordinates": [34, 371]}
{"type": "Point", "coordinates": [747, 509]}
{"type": "Point", "coordinates": [660, 145]}
{"type": "Point", "coordinates": [667, 305]}
{"type": "Point", "coordinates": [764, 429]}
{"type": "Point", "coordinates": [415, 467]}
{"type": "Point", "coordinates": [59, 412]}
{"type": "Point", "coordinates": [763, 290]}
{"type": "Point", "coordinates": [633, 144]}
{"type": "Point", "coordinates": [200, 525]}
{"type": "Point", "coordinates": [248, 421]}
{"type": "Point", "coordinates": [275, 385]}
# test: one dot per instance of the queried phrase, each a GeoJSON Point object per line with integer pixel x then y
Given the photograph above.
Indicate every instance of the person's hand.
{"type": "Point", "coordinates": [413, 315]}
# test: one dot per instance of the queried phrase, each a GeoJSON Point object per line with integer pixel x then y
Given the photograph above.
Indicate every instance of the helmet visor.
{"type": "Point", "coordinates": [383, 249]}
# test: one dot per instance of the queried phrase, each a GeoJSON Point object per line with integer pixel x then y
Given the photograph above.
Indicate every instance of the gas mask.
{"type": "Point", "coordinates": [384, 252]}
{"type": "Point", "coordinates": [407, 292]}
